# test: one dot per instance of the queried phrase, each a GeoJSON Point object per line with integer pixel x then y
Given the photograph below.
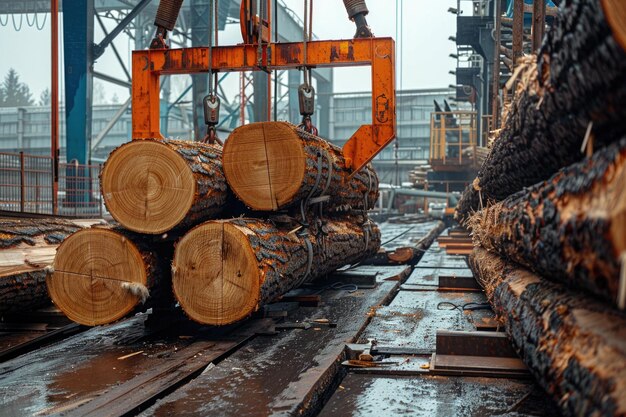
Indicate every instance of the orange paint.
{"type": "Point", "coordinates": [379, 53]}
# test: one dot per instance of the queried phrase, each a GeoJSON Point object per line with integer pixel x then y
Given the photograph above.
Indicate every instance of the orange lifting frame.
{"type": "Point", "coordinates": [379, 53]}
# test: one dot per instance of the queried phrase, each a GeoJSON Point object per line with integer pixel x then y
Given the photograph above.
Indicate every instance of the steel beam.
{"type": "Point", "coordinates": [495, 72]}
{"type": "Point", "coordinates": [518, 30]}
{"type": "Point", "coordinates": [120, 112]}
{"type": "Point", "coordinates": [98, 49]}
{"type": "Point", "coordinates": [539, 23]}
{"type": "Point", "coordinates": [113, 80]}
{"type": "Point", "coordinates": [200, 27]}
{"type": "Point", "coordinates": [78, 60]}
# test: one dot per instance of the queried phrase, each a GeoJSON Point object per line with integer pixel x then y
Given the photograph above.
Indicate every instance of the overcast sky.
{"type": "Point", "coordinates": [422, 55]}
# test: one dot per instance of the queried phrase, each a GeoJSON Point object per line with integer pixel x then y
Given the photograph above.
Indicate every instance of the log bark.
{"type": "Point", "coordinates": [571, 228]}
{"type": "Point", "coordinates": [573, 344]}
{"type": "Point", "coordinates": [152, 186]}
{"type": "Point", "coordinates": [101, 275]}
{"type": "Point", "coordinates": [274, 165]}
{"type": "Point", "coordinates": [27, 247]}
{"type": "Point", "coordinates": [224, 270]}
{"type": "Point", "coordinates": [579, 79]}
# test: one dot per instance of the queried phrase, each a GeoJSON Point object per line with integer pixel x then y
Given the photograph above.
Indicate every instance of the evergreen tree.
{"type": "Point", "coordinates": [44, 98]}
{"type": "Point", "coordinates": [14, 93]}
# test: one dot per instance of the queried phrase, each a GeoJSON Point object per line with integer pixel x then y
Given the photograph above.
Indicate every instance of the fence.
{"type": "Point", "coordinates": [26, 185]}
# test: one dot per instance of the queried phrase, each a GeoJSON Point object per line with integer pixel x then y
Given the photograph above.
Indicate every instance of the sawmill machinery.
{"type": "Point", "coordinates": [259, 52]}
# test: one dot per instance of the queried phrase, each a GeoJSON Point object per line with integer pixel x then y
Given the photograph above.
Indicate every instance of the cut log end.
{"type": "Point", "coordinates": [148, 187]}
{"type": "Point", "coordinates": [216, 279]}
{"type": "Point", "coordinates": [95, 271]}
{"type": "Point", "coordinates": [615, 12]}
{"type": "Point", "coordinates": [264, 164]}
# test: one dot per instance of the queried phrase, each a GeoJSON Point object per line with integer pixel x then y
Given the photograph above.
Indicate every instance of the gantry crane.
{"type": "Point", "coordinates": [259, 53]}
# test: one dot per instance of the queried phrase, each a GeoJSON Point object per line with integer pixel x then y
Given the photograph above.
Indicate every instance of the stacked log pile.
{"type": "Point", "coordinates": [151, 186]}
{"type": "Point", "coordinates": [549, 224]}
{"type": "Point", "coordinates": [224, 270]}
{"type": "Point", "coordinates": [574, 90]}
{"type": "Point", "coordinates": [27, 248]}
{"type": "Point", "coordinates": [574, 345]}
{"type": "Point", "coordinates": [274, 165]}
{"type": "Point", "coordinates": [103, 274]}
{"type": "Point", "coordinates": [166, 196]}
{"type": "Point", "coordinates": [571, 228]}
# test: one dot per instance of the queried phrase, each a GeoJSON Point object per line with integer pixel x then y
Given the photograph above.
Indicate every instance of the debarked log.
{"type": "Point", "coordinates": [274, 165]}
{"type": "Point", "coordinates": [101, 275]}
{"type": "Point", "coordinates": [574, 345]}
{"type": "Point", "coordinates": [224, 270]}
{"type": "Point", "coordinates": [154, 186]}
{"type": "Point", "coordinates": [570, 228]}
{"type": "Point", "coordinates": [27, 248]}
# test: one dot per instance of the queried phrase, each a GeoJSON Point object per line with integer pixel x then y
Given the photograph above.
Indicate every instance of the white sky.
{"type": "Point", "coordinates": [422, 56]}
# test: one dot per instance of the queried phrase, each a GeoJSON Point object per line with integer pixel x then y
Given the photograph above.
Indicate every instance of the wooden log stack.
{"type": "Point", "coordinates": [571, 228]}
{"type": "Point", "coordinates": [155, 186]}
{"type": "Point", "coordinates": [27, 248]}
{"type": "Point", "coordinates": [274, 165]}
{"type": "Point", "coordinates": [573, 344]}
{"type": "Point", "coordinates": [576, 89]}
{"type": "Point", "coordinates": [103, 274]}
{"type": "Point", "coordinates": [222, 270]}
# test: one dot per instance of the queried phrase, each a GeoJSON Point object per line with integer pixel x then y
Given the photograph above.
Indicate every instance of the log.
{"type": "Point", "coordinates": [151, 186]}
{"type": "Point", "coordinates": [274, 165]}
{"type": "Point", "coordinates": [573, 344]}
{"type": "Point", "coordinates": [406, 255]}
{"type": "Point", "coordinates": [101, 275]}
{"type": "Point", "coordinates": [571, 228]}
{"type": "Point", "coordinates": [224, 270]}
{"type": "Point", "coordinates": [578, 81]}
{"type": "Point", "coordinates": [27, 247]}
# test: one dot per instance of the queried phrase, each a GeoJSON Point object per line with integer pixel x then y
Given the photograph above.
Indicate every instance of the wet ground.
{"type": "Point", "coordinates": [160, 370]}
{"type": "Point", "coordinates": [435, 396]}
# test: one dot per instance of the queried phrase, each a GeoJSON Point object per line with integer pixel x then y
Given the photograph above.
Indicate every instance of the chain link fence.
{"type": "Point", "coordinates": [27, 186]}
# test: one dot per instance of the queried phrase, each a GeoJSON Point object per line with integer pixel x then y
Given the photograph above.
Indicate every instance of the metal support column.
{"type": "Point", "coordinates": [539, 23]}
{"type": "Point", "coordinates": [260, 83]}
{"type": "Point", "coordinates": [518, 30]}
{"type": "Point", "coordinates": [78, 60]}
{"type": "Point", "coordinates": [293, 81]}
{"type": "Point", "coordinates": [200, 29]}
{"type": "Point", "coordinates": [324, 91]}
{"type": "Point", "coordinates": [78, 19]}
{"type": "Point", "coordinates": [54, 101]}
{"type": "Point", "coordinates": [495, 89]}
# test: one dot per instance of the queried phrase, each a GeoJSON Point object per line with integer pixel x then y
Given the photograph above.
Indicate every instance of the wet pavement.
{"type": "Point", "coordinates": [290, 372]}
{"type": "Point", "coordinates": [79, 368]}
{"type": "Point", "coordinates": [435, 396]}
{"type": "Point", "coordinates": [281, 374]}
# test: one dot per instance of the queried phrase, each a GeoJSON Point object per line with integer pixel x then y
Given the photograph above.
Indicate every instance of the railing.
{"type": "Point", "coordinates": [451, 134]}
{"type": "Point", "coordinates": [26, 186]}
